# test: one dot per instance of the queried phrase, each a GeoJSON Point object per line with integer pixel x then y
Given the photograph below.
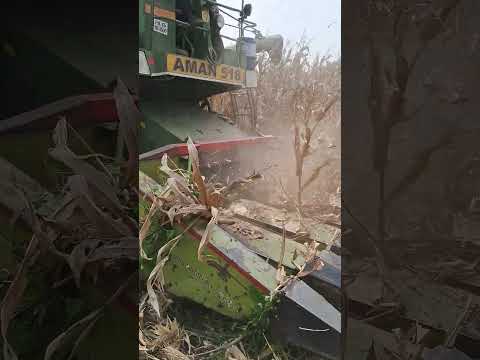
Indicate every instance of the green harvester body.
{"type": "Point", "coordinates": [182, 63]}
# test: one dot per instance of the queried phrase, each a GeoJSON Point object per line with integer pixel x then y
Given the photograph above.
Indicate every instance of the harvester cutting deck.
{"type": "Point", "coordinates": [183, 62]}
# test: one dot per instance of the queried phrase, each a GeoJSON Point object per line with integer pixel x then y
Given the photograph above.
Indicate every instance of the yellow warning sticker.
{"type": "Point", "coordinates": [203, 69]}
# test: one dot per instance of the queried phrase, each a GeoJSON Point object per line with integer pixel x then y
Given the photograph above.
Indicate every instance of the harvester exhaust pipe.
{"type": "Point", "coordinates": [273, 45]}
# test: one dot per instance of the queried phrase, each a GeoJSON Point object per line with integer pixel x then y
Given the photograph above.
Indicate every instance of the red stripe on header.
{"type": "Point", "coordinates": [173, 150]}
{"type": "Point", "coordinates": [97, 108]}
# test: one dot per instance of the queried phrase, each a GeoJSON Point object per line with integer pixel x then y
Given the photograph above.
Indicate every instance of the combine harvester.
{"type": "Point", "coordinates": [182, 63]}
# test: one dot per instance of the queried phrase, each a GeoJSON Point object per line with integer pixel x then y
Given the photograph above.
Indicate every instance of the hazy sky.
{"type": "Point", "coordinates": [320, 20]}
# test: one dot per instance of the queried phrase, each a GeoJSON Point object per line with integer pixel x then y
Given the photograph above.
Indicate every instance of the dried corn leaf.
{"type": "Point", "coordinates": [170, 353]}
{"type": "Point", "coordinates": [310, 251]}
{"type": "Point", "coordinates": [126, 248]}
{"type": "Point", "coordinates": [68, 335]}
{"type": "Point", "coordinates": [166, 333]}
{"type": "Point", "coordinates": [207, 234]}
{"type": "Point", "coordinates": [234, 353]}
{"type": "Point", "coordinates": [145, 228]}
{"type": "Point", "coordinates": [104, 223]}
{"type": "Point", "coordinates": [196, 174]}
{"type": "Point", "coordinates": [181, 210]}
{"type": "Point", "coordinates": [97, 179]}
{"type": "Point", "coordinates": [91, 250]}
{"type": "Point", "coordinates": [13, 184]}
{"type": "Point", "coordinates": [156, 276]}
{"type": "Point", "coordinates": [94, 177]}
{"type": "Point", "coordinates": [65, 210]}
{"type": "Point", "coordinates": [184, 197]}
{"type": "Point", "coordinates": [311, 266]}
{"type": "Point", "coordinates": [60, 133]}
{"type": "Point", "coordinates": [78, 258]}
{"type": "Point", "coordinates": [153, 278]}
{"type": "Point", "coordinates": [281, 275]}
{"type": "Point", "coordinates": [82, 337]}
{"type": "Point", "coordinates": [180, 180]}
{"type": "Point", "coordinates": [129, 117]}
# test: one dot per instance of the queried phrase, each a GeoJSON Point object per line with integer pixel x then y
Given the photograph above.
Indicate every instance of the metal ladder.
{"type": "Point", "coordinates": [244, 109]}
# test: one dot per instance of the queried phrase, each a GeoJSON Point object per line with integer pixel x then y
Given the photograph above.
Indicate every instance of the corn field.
{"type": "Point", "coordinates": [300, 95]}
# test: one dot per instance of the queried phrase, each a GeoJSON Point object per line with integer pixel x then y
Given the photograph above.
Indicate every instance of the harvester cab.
{"type": "Point", "coordinates": [184, 59]}
{"type": "Point", "coordinates": [184, 39]}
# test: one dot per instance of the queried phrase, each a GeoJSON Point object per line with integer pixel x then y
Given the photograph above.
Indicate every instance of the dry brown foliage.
{"type": "Point", "coordinates": [86, 224]}
{"type": "Point", "coordinates": [299, 100]}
